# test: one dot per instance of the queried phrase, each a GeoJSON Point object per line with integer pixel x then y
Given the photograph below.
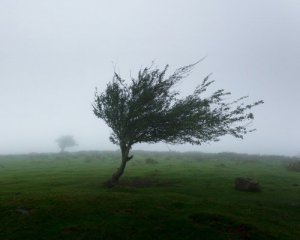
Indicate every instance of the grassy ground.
{"type": "Point", "coordinates": [182, 196]}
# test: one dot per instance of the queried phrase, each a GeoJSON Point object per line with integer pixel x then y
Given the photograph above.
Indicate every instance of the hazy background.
{"type": "Point", "coordinates": [54, 53]}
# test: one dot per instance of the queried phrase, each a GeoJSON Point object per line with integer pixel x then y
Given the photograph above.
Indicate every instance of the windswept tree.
{"type": "Point", "coordinates": [65, 142]}
{"type": "Point", "coordinates": [149, 110]}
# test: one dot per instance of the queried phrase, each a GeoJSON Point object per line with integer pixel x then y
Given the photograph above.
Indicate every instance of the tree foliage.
{"type": "Point", "coordinates": [66, 142]}
{"type": "Point", "coordinates": [149, 109]}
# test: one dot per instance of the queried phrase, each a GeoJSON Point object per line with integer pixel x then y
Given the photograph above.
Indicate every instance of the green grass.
{"type": "Point", "coordinates": [183, 196]}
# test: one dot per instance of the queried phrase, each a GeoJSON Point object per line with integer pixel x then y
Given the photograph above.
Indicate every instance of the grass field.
{"type": "Point", "coordinates": [181, 196]}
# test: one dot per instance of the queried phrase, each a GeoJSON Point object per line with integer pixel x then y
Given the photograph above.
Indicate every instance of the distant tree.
{"type": "Point", "coordinates": [65, 142]}
{"type": "Point", "coordinates": [148, 109]}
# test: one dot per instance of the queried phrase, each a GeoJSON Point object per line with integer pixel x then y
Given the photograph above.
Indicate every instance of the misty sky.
{"type": "Point", "coordinates": [54, 53]}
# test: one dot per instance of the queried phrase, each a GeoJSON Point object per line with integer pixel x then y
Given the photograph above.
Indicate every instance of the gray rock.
{"type": "Point", "coordinates": [23, 211]}
{"type": "Point", "coordinates": [246, 184]}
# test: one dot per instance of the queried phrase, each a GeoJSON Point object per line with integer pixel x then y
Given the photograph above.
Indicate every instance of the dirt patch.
{"type": "Point", "coordinates": [221, 165]}
{"type": "Point", "coordinates": [223, 224]}
{"type": "Point", "coordinates": [126, 211]}
{"type": "Point", "coordinates": [71, 229]}
{"type": "Point", "coordinates": [144, 183]}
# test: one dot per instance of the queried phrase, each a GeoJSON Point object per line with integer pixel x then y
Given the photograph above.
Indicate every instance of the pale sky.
{"type": "Point", "coordinates": [54, 53]}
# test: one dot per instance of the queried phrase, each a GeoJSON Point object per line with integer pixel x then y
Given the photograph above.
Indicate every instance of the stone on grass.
{"type": "Point", "coordinates": [246, 184]}
{"type": "Point", "coordinates": [23, 211]}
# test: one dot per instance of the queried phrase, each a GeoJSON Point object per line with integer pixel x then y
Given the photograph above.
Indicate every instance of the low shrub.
{"type": "Point", "coordinates": [294, 166]}
{"type": "Point", "coordinates": [150, 161]}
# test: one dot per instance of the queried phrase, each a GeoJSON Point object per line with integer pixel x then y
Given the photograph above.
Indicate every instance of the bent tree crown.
{"type": "Point", "coordinates": [149, 109]}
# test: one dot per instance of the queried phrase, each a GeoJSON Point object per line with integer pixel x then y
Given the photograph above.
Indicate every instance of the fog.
{"type": "Point", "coordinates": [54, 53]}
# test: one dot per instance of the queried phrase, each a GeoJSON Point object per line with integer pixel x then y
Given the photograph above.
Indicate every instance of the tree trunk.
{"type": "Point", "coordinates": [116, 176]}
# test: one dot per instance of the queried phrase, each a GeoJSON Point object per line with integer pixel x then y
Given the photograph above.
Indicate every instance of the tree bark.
{"type": "Point", "coordinates": [116, 176]}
